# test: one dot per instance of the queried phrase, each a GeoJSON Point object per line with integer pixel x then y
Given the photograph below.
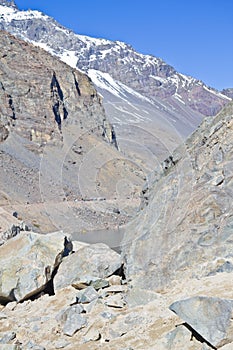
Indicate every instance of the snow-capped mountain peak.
{"type": "Point", "coordinates": [147, 75]}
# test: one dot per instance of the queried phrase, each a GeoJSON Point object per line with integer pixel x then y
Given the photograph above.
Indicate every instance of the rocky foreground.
{"type": "Point", "coordinates": [57, 294]}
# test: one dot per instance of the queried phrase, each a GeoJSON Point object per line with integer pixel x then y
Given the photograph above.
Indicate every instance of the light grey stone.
{"type": "Point", "coordinates": [24, 274]}
{"type": "Point", "coordinates": [6, 337]}
{"type": "Point", "coordinates": [61, 344]}
{"type": "Point", "coordinates": [32, 346]}
{"type": "Point", "coordinates": [62, 316]}
{"type": "Point", "coordinates": [71, 320]}
{"type": "Point", "coordinates": [96, 260]}
{"type": "Point", "coordinates": [115, 301]}
{"type": "Point", "coordinates": [87, 295]}
{"type": "Point", "coordinates": [208, 316]}
{"type": "Point", "coordinates": [73, 324]}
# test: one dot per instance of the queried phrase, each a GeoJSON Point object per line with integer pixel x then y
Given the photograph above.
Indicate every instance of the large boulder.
{"type": "Point", "coordinates": [208, 316]}
{"type": "Point", "coordinates": [24, 261]}
{"type": "Point", "coordinates": [96, 260]}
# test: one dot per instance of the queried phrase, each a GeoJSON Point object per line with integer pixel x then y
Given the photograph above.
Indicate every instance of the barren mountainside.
{"type": "Point", "coordinates": [185, 228]}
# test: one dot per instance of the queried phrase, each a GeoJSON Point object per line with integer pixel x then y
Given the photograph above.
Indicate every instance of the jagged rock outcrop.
{"type": "Point", "coordinates": [60, 95]}
{"type": "Point", "coordinates": [186, 227]}
{"type": "Point", "coordinates": [228, 92]}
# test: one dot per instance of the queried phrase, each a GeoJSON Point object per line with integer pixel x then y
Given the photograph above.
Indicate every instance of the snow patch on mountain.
{"type": "Point", "coordinates": [106, 82]}
{"type": "Point", "coordinates": [69, 57]}
{"type": "Point", "coordinates": [217, 93]}
{"type": "Point", "coordinates": [10, 14]}
{"type": "Point", "coordinates": [89, 41]}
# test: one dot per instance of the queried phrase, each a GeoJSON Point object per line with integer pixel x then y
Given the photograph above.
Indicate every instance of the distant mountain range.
{"type": "Point", "coordinates": [152, 107]}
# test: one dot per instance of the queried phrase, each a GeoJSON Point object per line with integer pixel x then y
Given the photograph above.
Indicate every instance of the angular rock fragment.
{"type": "Point", "coordinates": [208, 316]}
{"type": "Point", "coordinates": [71, 320]}
{"type": "Point", "coordinates": [87, 295]}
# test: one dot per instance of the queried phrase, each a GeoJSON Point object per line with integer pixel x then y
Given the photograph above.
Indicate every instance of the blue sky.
{"type": "Point", "coordinates": [194, 36]}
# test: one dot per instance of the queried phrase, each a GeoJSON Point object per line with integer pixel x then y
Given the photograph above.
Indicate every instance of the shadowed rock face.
{"type": "Point", "coordinates": [42, 101]}
{"type": "Point", "coordinates": [185, 228]}
{"type": "Point", "coordinates": [40, 95]}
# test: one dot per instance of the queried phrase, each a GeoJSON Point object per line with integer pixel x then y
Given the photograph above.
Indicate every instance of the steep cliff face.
{"type": "Point", "coordinates": [185, 228]}
{"type": "Point", "coordinates": [40, 95]}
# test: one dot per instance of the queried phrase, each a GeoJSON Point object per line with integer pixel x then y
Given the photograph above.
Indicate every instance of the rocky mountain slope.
{"type": "Point", "coordinates": [145, 98]}
{"type": "Point", "coordinates": [228, 92]}
{"type": "Point", "coordinates": [60, 166]}
{"type": "Point", "coordinates": [148, 75]}
{"type": "Point", "coordinates": [185, 228]}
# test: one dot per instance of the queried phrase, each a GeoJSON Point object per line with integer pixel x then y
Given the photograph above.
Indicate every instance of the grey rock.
{"type": "Point", "coordinates": [87, 295]}
{"type": "Point", "coordinates": [91, 335]}
{"type": "Point", "coordinates": [102, 262]}
{"type": "Point", "coordinates": [180, 338]}
{"type": "Point", "coordinates": [61, 344]}
{"type": "Point", "coordinates": [32, 346]}
{"type": "Point", "coordinates": [187, 223]}
{"type": "Point", "coordinates": [136, 296]}
{"type": "Point", "coordinates": [115, 301]}
{"type": "Point", "coordinates": [99, 283]}
{"type": "Point", "coordinates": [2, 316]}
{"type": "Point", "coordinates": [13, 231]}
{"type": "Point", "coordinates": [228, 92]}
{"type": "Point", "coordinates": [73, 324]}
{"type": "Point", "coordinates": [11, 306]}
{"type": "Point", "coordinates": [114, 289]}
{"type": "Point", "coordinates": [24, 274]}
{"type": "Point", "coordinates": [90, 306]}
{"type": "Point", "coordinates": [62, 316]}
{"type": "Point", "coordinates": [7, 337]}
{"type": "Point", "coordinates": [108, 315]}
{"type": "Point", "coordinates": [96, 282]}
{"type": "Point", "coordinates": [209, 317]}
{"type": "Point", "coordinates": [10, 347]}
{"type": "Point", "coordinates": [115, 280]}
